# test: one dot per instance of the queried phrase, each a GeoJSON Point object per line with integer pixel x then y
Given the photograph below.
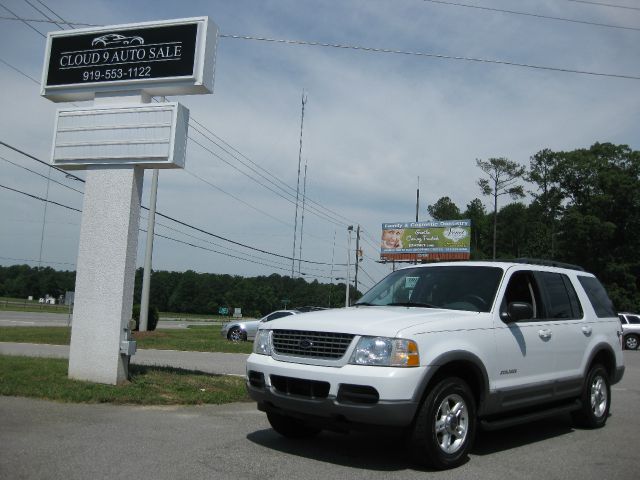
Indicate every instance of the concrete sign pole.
{"type": "Point", "coordinates": [105, 274]}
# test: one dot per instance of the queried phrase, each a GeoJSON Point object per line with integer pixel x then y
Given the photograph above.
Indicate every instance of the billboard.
{"type": "Point", "coordinates": [431, 240]}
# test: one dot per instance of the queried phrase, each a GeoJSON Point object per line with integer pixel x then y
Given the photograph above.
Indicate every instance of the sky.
{"type": "Point", "coordinates": [377, 125]}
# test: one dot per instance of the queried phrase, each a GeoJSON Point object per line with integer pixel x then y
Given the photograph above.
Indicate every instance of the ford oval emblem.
{"type": "Point", "coordinates": [306, 344]}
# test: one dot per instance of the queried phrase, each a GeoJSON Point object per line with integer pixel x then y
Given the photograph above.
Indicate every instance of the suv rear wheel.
{"type": "Point", "coordinates": [445, 427]}
{"type": "Point", "coordinates": [596, 399]}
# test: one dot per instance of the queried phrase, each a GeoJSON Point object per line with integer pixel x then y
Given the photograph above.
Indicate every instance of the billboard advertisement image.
{"type": "Point", "coordinates": [450, 239]}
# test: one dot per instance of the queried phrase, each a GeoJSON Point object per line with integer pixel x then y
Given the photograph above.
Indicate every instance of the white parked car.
{"type": "Point", "coordinates": [438, 350]}
{"type": "Point", "coordinates": [238, 330]}
{"type": "Point", "coordinates": [630, 330]}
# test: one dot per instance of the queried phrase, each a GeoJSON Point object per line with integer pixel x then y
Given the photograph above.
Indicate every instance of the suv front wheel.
{"type": "Point", "coordinates": [445, 426]}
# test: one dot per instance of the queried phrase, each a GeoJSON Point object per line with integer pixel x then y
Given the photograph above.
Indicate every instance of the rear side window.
{"type": "Point", "coordinates": [561, 298]}
{"type": "Point", "coordinates": [598, 297]}
{"type": "Point", "coordinates": [634, 319]}
{"type": "Point", "coordinates": [273, 316]}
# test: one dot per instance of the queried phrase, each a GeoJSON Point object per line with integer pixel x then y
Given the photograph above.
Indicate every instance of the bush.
{"type": "Point", "coordinates": [152, 320]}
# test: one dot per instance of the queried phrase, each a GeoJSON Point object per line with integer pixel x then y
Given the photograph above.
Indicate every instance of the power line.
{"type": "Point", "coordinates": [19, 71]}
{"type": "Point", "coordinates": [226, 248]}
{"type": "Point", "coordinates": [528, 14]}
{"type": "Point", "coordinates": [174, 219]}
{"type": "Point", "coordinates": [420, 54]}
{"type": "Point", "coordinates": [427, 54]}
{"type": "Point", "coordinates": [21, 152]}
{"type": "Point", "coordinates": [23, 21]}
{"type": "Point", "coordinates": [40, 198]}
{"type": "Point", "coordinates": [161, 236]}
{"type": "Point", "coordinates": [336, 215]}
{"type": "Point", "coordinates": [34, 261]}
{"type": "Point", "coordinates": [41, 12]}
{"type": "Point", "coordinates": [47, 7]}
{"type": "Point", "coordinates": [40, 175]}
{"type": "Point", "coordinates": [602, 4]}
{"type": "Point", "coordinates": [316, 212]}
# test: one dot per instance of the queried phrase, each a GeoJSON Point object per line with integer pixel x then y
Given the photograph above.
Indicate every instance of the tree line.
{"type": "Point", "coordinates": [189, 292]}
{"type": "Point", "coordinates": [584, 210]}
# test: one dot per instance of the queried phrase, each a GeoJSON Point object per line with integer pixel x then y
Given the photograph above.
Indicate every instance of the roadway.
{"type": "Point", "coordinates": [48, 440]}
{"type": "Point", "coordinates": [46, 319]}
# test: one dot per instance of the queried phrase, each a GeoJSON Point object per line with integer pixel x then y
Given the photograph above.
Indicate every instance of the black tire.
{"type": "Point", "coordinates": [442, 438]}
{"type": "Point", "coordinates": [291, 427]}
{"type": "Point", "coordinates": [596, 399]}
{"type": "Point", "coordinates": [631, 342]}
{"type": "Point", "coordinates": [236, 335]}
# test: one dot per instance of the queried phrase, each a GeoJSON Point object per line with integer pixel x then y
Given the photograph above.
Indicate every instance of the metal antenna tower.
{"type": "Point", "coordinates": [304, 197]}
{"type": "Point", "coordinates": [295, 225]}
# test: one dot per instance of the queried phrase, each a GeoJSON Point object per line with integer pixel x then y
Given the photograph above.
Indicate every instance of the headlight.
{"type": "Point", "coordinates": [385, 352]}
{"type": "Point", "coordinates": [262, 342]}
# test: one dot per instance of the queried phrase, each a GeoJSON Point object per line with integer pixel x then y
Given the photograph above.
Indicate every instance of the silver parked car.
{"type": "Point", "coordinates": [240, 330]}
{"type": "Point", "coordinates": [630, 330]}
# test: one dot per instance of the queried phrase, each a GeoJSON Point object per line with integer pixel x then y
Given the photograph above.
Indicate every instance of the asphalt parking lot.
{"type": "Point", "coordinates": [46, 440]}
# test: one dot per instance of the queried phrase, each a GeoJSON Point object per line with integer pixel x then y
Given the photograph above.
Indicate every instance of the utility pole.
{"type": "Point", "coordinates": [418, 199]}
{"type": "Point", "coordinates": [148, 254]}
{"type": "Point", "coordinates": [417, 210]}
{"type": "Point", "coordinates": [295, 225]}
{"type": "Point", "coordinates": [349, 230]}
{"type": "Point", "coordinates": [357, 256]}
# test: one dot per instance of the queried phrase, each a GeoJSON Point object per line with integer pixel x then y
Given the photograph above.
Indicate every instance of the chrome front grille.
{"type": "Point", "coordinates": [325, 345]}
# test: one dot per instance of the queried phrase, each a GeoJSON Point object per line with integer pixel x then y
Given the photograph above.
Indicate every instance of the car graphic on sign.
{"type": "Point", "coordinates": [116, 39]}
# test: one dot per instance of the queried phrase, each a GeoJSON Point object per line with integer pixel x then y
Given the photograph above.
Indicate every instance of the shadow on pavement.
{"type": "Point", "coordinates": [386, 453]}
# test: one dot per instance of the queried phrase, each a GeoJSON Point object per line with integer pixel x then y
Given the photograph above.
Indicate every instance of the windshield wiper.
{"type": "Point", "coordinates": [365, 304]}
{"type": "Point", "coordinates": [412, 304]}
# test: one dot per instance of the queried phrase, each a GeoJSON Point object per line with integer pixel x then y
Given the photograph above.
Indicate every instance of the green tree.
{"type": "Point", "coordinates": [503, 176]}
{"type": "Point", "coordinates": [444, 209]}
{"type": "Point", "coordinates": [546, 207]}
{"type": "Point", "coordinates": [479, 228]}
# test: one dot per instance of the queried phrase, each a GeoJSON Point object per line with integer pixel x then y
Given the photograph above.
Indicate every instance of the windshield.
{"type": "Point", "coordinates": [471, 288]}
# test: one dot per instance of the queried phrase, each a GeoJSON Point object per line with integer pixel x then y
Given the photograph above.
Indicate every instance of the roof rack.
{"type": "Point", "coordinates": [547, 263]}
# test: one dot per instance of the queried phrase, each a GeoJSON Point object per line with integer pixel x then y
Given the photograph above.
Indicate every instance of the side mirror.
{"type": "Point", "coordinates": [517, 311]}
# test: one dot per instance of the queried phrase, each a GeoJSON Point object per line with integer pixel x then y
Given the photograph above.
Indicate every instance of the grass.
{"type": "Point", "coordinates": [200, 339]}
{"type": "Point", "coordinates": [22, 305]}
{"type": "Point", "coordinates": [48, 335]}
{"type": "Point", "coordinates": [46, 378]}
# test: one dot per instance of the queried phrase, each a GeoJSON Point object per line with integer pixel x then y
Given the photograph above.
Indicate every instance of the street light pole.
{"type": "Point", "coordinates": [349, 230]}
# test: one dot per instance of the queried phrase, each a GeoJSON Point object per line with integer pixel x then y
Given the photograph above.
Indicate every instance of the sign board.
{"type": "Point", "coordinates": [172, 57]}
{"type": "Point", "coordinates": [443, 240]}
{"type": "Point", "coordinates": [153, 135]}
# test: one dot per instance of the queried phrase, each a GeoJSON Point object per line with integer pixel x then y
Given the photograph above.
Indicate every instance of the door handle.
{"type": "Point", "coordinates": [544, 334]}
{"type": "Point", "coordinates": [587, 330]}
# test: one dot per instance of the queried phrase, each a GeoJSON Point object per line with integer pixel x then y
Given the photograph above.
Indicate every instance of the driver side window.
{"type": "Point", "coordinates": [522, 288]}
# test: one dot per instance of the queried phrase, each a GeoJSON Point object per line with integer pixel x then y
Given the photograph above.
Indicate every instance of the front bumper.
{"type": "Point", "coordinates": [342, 398]}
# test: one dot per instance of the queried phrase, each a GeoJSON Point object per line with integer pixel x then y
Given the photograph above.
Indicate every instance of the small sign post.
{"type": "Point", "coordinates": [120, 68]}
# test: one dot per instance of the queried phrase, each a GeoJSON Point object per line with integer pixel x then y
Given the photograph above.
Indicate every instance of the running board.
{"type": "Point", "coordinates": [505, 422]}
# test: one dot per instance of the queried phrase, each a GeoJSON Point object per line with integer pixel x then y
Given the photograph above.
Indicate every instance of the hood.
{"type": "Point", "coordinates": [376, 321]}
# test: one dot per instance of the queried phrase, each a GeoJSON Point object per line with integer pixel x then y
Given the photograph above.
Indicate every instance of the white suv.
{"type": "Point", "coordinates": [440, 349]}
